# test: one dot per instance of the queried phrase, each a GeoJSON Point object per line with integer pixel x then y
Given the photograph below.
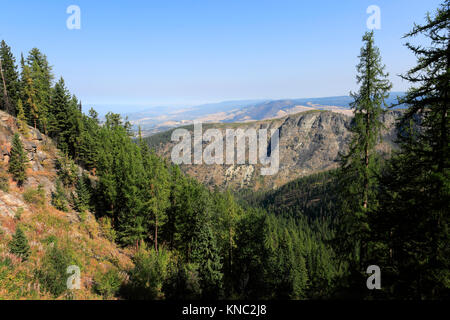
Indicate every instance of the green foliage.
{"type": "Point", "coordinates": [21, 119]}
{"type": "Point", "coordinates": [19, 244]}
{"type": "Point", "coordinates": [52, 274]}
{"type": "Point", "coordinates": [6, 262]}
{"type": "Point", "coordinates": [67, 170]}
{"type": "Point", "coordinates": [313, 196]}
{"type": "Point", "coordinates": [107, 229]}
{"type": "Point", "coordinates": [108, 284]}
{"type": "Point", "coordinates": [50, 239]}
{"type": "Point", "coordinates": [183, 282]}
{"type": "Point", "coordinates": [35, 196]}
{"type": "Point", "coordinates": [59, 199]}
{"type": "Point", "coordinates": [38, 80]}
{"type": "Point", "coordinates": [206, 254]}
{"type": "Point", "coordinates": [411, 229]}
{"type": "Point", "coordinates": [11, 79]}
{"type": "Point", "coordinates": [19, 213]}
{"type": "Point", "coordinates": [83, 196]}
{"type": "Point", "coordinates": [312, 238]}
{"type": "Point", "coordinates": [149, 274]}
{"type": "Point", "coordinates": [360, 166]}
{"type": "Point", "coordinates": [18, 161]}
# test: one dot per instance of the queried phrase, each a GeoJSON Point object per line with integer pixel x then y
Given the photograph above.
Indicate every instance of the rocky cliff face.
{"type": "Point", "coordinates": [309, 142]}
{"type": "Point", "coordinates": [40, 149]}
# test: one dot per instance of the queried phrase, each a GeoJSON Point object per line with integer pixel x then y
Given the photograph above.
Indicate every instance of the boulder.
{"type": "Point", "coordinates": [30, 146]}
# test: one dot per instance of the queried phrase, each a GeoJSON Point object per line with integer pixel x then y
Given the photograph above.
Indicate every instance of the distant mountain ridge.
{"type": "Point", "coordinates": [156, 120]}
{"type": "Point", "coordinates": [310, 142]}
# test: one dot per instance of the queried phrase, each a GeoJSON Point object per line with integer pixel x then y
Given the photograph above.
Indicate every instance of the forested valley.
{"type": "Point", "coordinates": [312, 238]}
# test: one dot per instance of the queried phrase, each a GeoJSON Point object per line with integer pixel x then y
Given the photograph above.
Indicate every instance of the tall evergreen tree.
{"type": "Point", "coordinates": [227, 213]}
{"type": "Point", "coordinates": [359, 167]}
{"type": "Point", "coordinates": [10, 83]}
{"type": "Point", "coordinates": [158, 191]}
{"type": "Point", "coordinates": [58, 127]}
{"type": "Point", "coordinates": [41, 74]}
{"type": "Point", "coordinates": [29, 93]}
{"type": "Point", "coordinates": [82, 199]}
{"type": "Point", "coordinates": [59, 199]}
{"type": "Point", "coordinates": [206, 254]}
{"type": "Point", "coordinates": [412, 225]}
{"type": "Point", "coordinates": [18, 161]}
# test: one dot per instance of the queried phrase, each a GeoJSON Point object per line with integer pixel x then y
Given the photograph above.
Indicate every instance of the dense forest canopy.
{"type": "Point", "coordinates": [310, 239]}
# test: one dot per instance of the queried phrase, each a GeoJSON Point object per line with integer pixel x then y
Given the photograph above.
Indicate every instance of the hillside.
{"type": "Point", "coordinates": [159, 119]}
{"type": "Point", "coordinates": [56, 238]}
{"type": "Point", "coordinates": [309, 143]}
{"type": "Point", "coordinates": [313, 196]}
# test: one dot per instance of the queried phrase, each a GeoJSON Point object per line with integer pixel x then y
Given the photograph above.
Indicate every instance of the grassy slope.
{"type": "Point", "coordinates": [81, 236]}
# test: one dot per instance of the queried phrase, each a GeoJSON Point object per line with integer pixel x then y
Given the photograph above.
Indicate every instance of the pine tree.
{"type": "Point", "coordinates": [247, 263]}
{"type": "Point", "coordinates": [94, 115]}
{"type": "Point", "coordinates": [359, 167]}
{"type": "Point", "coordinates": [412, 225]}
{"type": "Point", "coordinates": [59, 199]}
{"type": "Point", "coordinates": [82, 194]}
{"type": "Point", "coordinates": [206, 254]}
{"type": "Point", "coordinates": [59, 124]}
{"type": "Point", "coordinates": [21, 119]}
{"type": "Point", "coordinates": [89, 143]}
{"type": "Point", "coordinates": [74, 129]}
{"type": "Point", "coordinates": [176, 182]}
{"type": "Point", "coordinates": [29, 95]}
{"type": "Point", "coordinates": [158, 191]}
{"type": "Point", "coordinates": [9, 79]}
{"type": "Point", "coordinates": [19, 244]}
{"type": "Point", "coordinates": [41, 74]}
{"type": "Point", "coordinates": [18, 161]}
{"type": "Point", "coordinates": [227, 214]}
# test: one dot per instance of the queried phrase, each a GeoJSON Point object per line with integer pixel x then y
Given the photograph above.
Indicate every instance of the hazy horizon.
{"type": "Point", "coordinates": [180, 53]}
{"type": "Point", "coordinates": [124, 108]}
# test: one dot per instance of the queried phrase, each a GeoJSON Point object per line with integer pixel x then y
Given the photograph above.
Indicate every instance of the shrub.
{"type": "Point", "coordinates": [18, 161]}
{"type": "Point", "coordinates": [53, 273]}
{"type": "Point", "coordinates": [6, 262]}
{"type": "Point", "coordinates": [59, 199]}
{"type": "Point", "coordinates": [183, 282]}
{"type": "Point", "coordinates": [35, 196]}
{"type": "Point", "coordinates": [50, 239]}
{"type": "Point", "coordinates": [4, 181]}
{"type": "Point", "coordinates": [19, 244]}
{"type": "Point", "coordinates": [19, 213]}
{"type": "Point", "coordinates": [67, 170]}
{"type": "Point", "coordinates": [108, 284]}
{"type": "Point", "coordinates": [107, 229]}
{"type": "Point", "coordinates": [149, 274]}
{"type": "Point", "coordinates": [82, 198]}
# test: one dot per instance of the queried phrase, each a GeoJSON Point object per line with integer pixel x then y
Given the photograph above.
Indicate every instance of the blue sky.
{"type": "Point", "coordinates": [167, 52]}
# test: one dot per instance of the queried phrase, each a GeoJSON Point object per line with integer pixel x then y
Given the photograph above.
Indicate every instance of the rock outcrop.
{"type": "Point", "coordinates": [40, 149]}
{"type": "Point", "coordinates": [309, 142]}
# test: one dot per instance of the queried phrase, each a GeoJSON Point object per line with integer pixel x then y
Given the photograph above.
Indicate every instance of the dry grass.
{"type": "Point", "coordinates": [94, 253]}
